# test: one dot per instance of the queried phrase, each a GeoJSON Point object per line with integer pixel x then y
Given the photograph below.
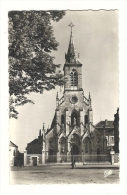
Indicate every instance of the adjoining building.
{"type": "Point", "coordinates": [13, 153]}
{"type": "Point", "coordinates": [35, 146]}
{"type": "Point", "coordinates": [33, 152]}
{"type": "Point", "coordinates": [107, 128]}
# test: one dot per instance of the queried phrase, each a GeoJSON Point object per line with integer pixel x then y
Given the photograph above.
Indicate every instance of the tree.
{"type": "Point", "coordinates": [31, 67]}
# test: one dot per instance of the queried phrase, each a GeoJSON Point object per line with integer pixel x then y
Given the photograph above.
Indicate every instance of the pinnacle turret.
{"type": "Point", "coordinates": [90, 102]}
{"type": "Point", "coordinates": [43, 128]}
{"type": "Point", "coordinates": [40, 132]}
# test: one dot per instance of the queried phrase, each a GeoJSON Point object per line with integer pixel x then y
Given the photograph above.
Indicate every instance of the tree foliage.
{"type": "Point", "coordinates": [31, 67]}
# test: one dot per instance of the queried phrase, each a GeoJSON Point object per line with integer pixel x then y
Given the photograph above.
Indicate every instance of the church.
{"type": "Point", "coordinates": [72, 132]}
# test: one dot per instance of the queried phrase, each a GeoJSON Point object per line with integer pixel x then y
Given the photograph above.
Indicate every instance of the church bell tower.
{"type": "Point", "coordinates": [72, 134]}
{"type": "Point", "coordinates": [73, 109]}
{"type": "Point", "coordinates": [72, 67]}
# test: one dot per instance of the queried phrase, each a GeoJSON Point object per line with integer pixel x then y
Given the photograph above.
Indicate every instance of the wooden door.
{"type": "Point", "coordinates": [34, 161]}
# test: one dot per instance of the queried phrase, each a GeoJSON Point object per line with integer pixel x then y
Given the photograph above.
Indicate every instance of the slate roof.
{"type": "Point", "coordinates": [52, 124]}
{"type": "Point", "coordinates": [101, 123]}
{"type": "Point", "coordinates": [35, 141]}
{"type": "Point", "coordinates": [53, 121]}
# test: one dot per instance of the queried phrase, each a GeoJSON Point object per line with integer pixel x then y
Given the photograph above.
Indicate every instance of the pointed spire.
{"type": "Point", "coordinates": [71, 56]}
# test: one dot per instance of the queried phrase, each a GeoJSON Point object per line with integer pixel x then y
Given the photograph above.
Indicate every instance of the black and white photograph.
{"type": "Point", "coordinates": [64, 92]}
{"type": "Point", "coordinates": [64, 104]}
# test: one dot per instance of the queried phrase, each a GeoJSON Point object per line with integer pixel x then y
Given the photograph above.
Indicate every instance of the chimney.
{"type": "Point", "coordinates": [106, 122]}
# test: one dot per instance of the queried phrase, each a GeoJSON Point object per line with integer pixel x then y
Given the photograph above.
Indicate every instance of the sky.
{"type": "Point", "coordinates": [96, 40]}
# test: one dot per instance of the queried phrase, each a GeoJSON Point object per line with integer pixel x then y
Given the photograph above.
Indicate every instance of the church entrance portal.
{"type": "Point", "coordinates": [51, 156]}
{"type": "Point", "coordinates": [75, 153]}
{"type": "Point", "coordinates": [75, 150]}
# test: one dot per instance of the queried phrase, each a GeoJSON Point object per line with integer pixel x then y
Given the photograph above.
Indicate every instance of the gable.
{"type": "Point", "coordinates": [12, 144]}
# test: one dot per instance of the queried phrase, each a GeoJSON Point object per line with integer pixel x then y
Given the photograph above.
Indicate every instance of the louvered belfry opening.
{"type": "Point", "coordinates": [74, 78]}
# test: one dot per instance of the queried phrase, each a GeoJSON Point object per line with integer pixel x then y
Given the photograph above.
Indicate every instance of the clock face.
{"type": "Point", "coordinates": [73, 99]}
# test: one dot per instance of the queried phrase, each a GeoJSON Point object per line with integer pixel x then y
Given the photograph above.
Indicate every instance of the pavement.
{"type": "Point", "coordinates": [64, 174]}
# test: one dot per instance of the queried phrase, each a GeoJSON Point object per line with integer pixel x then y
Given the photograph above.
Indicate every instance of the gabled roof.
{"type": "Point", "coordinates": [52, 124]}
{"type": "Point", "coordinates": [108, 125]}
{"type": "Point", "coordinates": [13, 145]}
{"type": "Point", "coordinates": [53, 121]}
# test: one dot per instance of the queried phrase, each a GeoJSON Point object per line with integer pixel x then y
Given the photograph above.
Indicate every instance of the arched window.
{"type": "Point", "coordinates": [73, 78]}
{"type": "Point", "coordinates": [63, 145]}
{"type": "Point", "coordinates": [86, 119]}
{"type": "Point", "coordinates": [74, 118]}
{"type": "Point", "coordinates": [87, 145]}
{"type": "Point", "coordinates": [62, 119]}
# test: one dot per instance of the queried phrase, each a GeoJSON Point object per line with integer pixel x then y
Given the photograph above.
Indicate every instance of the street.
{"type": "Point", "coordinates": [63, 174]}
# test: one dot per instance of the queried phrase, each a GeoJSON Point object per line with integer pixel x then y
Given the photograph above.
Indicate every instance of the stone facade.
{"type": "Point", "coordinates": [72, 131]}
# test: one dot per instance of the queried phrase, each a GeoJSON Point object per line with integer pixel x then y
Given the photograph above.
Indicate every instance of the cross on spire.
{"type": "Point", "coordinates": [71, 25]}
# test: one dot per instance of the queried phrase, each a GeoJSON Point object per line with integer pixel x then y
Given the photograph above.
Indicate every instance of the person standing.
{"type": "Point", "coordinates": [74, 163]}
